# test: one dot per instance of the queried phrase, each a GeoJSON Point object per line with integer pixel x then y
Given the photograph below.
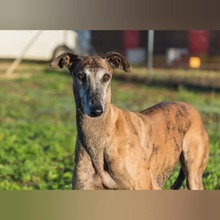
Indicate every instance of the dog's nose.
{"type": "Point", "coordinates": [97, 111]}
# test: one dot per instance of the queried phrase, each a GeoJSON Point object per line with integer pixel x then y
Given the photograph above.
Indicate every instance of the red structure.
{"type": "Point", "coordinates": [198, 42]}
{"type": "Point", "coordinates": [131, 40]}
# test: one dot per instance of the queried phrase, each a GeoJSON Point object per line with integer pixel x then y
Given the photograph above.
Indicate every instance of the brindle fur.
{"type": "Point", "coordinates": [128, 150]}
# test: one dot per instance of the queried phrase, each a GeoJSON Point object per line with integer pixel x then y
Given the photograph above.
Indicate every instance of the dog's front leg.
{"type": "Point", "coordinates": [83, 175]}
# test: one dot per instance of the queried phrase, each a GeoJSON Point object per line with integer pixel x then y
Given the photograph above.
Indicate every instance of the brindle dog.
{"type": "Point", "coordinates": [118, 149]}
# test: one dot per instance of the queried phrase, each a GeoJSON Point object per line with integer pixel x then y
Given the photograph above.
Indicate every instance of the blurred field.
{"type": "Point", "coordinates": [37, 120]}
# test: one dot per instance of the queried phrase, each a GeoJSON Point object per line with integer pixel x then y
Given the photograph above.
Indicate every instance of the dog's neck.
{"type": "Point", "coordinates": [93, 133]}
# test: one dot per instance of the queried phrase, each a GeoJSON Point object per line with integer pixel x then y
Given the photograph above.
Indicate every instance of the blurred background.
{"type": "Point", "coordinates": [37, 110]}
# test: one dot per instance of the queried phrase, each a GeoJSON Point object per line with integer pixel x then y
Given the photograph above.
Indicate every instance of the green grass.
{"type": "Point", "coordinates": [38, 129]}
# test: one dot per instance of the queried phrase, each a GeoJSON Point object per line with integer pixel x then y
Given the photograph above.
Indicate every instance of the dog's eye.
{"type": "Point", "coordinates": [106, 77]}
{"type": "Point", "coordinates": [81, 76]}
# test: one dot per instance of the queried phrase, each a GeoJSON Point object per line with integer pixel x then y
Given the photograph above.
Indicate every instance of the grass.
{"type": "Point", "coordinates": [38, 130]}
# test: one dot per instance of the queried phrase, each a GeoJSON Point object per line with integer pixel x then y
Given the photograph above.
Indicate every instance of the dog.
{"type": "Point", "coordinates": [118, 149]}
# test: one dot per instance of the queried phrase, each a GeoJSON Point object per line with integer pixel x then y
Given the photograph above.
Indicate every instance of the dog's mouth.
{"type": "Point", "coordinates": [91, 116]}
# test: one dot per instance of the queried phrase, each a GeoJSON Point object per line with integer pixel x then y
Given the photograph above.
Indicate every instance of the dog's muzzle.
{"type": "Point", "coordinates": [96, 111]}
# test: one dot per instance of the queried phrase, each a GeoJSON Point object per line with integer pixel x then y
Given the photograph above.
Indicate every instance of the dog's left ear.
{"type": "Point", "coordinates": [66, 59]}
{"type": "Point", "coordinates": [116, 60]}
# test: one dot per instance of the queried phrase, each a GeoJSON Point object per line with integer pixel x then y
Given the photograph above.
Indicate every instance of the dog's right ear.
{"type": "Point", "coordinates": [66, 59]}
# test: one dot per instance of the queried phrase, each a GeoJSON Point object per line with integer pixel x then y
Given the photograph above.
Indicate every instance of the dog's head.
{"type": "Point", "coordinates": [91, 79]}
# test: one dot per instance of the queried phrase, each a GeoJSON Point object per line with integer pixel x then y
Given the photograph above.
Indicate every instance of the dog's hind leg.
{"type": "Point", "coordinates": [195, 158]}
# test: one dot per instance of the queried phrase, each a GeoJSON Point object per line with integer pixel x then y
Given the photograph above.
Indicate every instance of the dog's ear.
{"type": "Point", "coordinates": [67, 59]}
{"type": "Point", "coordinates": [116, 60]}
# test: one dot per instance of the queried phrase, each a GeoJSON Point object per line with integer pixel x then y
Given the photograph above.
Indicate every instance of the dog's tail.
{"type": "Point", "coordinates": [179, 181]}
